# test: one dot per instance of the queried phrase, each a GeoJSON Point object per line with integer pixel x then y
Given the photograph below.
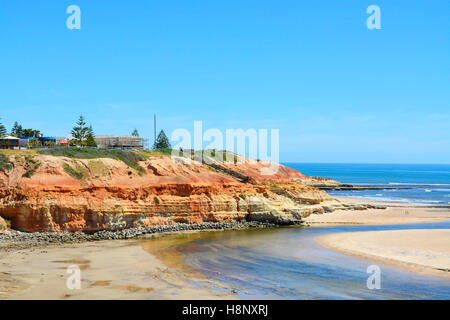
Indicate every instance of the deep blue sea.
{"type": "Point", "coordinates": [431, 182]}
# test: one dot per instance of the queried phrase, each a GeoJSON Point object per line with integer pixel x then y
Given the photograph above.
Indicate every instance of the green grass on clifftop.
{"type": "Point", "coordinates": [158, 152]}
{"type": "Point", "coordinates": [130, 158]}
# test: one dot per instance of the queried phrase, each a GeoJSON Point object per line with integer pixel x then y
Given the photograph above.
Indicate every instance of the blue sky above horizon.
{"type": "Point", "coordinates": [337, 91]}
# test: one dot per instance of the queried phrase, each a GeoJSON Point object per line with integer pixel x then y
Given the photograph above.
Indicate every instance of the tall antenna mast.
{"type": "Point", "coordinates": [154, 126]}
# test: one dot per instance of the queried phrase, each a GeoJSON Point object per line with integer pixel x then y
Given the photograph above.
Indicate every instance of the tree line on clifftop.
{"type": "Point", "coordinates": [82, 135]}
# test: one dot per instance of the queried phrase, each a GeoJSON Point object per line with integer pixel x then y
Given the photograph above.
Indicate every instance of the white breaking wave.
{"type": "Point", "coordinates": [418, 184]}
{"type": "Point", "coordinates": [398, 200]}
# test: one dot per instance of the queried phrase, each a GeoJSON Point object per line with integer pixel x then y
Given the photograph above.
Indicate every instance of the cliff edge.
{"type": "Point", "coordinates": [70, 193]}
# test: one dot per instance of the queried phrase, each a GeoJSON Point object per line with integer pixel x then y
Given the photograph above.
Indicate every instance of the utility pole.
{"type": "Point", "coordinates": [154, 126]}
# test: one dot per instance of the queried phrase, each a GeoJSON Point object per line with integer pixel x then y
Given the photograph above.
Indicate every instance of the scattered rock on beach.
{"type": "Point", "coordinates": [19, 240]}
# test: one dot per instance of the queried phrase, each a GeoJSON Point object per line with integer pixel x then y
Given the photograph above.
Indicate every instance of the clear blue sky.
{"type": "Point", "coordinates": [337, 91]}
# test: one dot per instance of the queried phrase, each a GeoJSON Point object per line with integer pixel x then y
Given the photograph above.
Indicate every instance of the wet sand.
{"type": "Point", "coordinates": [109, 270]}
{"type": "Point", "coordinates": [421, 251]}
{"type": "Point", "coordinates": [395, 213]}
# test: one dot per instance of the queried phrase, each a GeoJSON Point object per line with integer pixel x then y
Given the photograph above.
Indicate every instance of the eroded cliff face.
{"type": "Point", "coordinates": [68, 195]}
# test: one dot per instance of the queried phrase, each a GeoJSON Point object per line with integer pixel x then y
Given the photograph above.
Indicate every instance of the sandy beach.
{"type": "Point", "coordinates": [395, 213]}
{"type": "Point", "coordinates": [422, 251]}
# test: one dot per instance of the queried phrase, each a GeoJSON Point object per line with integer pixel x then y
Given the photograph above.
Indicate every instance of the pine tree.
{"type": "Point", "coordinates": [90, 138]}
{"type": "Point", "coordinates": [20, 132]}
{"type": "Point", "coordinates": [162, 142]}
{"type": "Point", "coordinates": [30, 133]}
{"type": "Point", "coordinates": [79, 132]}
{"type": "Point", "coordinates": [135, 133]}
{"type": "Point", "coordinates": [16, 130]}
{"type": "Point", "coordinates": [3, 132]}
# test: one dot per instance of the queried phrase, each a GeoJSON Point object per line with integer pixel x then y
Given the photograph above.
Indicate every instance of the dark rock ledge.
{"type": "Point", "coordinates": [19, 240]}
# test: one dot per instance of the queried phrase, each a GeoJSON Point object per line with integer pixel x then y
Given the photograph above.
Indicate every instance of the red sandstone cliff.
{"type": "Point", "coordinates": [110, 195]}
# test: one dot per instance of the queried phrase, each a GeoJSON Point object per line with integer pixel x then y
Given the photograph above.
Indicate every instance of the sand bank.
{"type": "Point", "coordinates": [421, 251]}
{"type": "Point", "coordinates": [394, 214]}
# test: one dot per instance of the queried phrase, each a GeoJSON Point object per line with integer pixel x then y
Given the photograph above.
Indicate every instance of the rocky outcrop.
{"type": "Point", "coordinates": [329, 184]}
{"type": "Point", "coordinates": [318, 182]}
{"type": "Point", "coordinates": [71, 195]}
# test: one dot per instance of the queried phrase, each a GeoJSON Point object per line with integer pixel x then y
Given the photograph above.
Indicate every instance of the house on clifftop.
{"type": "Point", "coordinates": [121, 142]}
{"type": "Point", "coordinates": [9, 142]}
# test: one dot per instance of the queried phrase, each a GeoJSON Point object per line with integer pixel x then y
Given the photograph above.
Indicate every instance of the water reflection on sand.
{"type": "Point", "coordinates": [286, 263]}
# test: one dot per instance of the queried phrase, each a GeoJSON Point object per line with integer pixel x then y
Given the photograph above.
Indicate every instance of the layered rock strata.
{"type": "Point", "coordinates": [71, 195]}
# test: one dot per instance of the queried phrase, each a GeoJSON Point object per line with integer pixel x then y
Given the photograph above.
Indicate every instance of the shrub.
{"type": "Point", "coordinates": [77, 174]}
{"type": "Point", "coordinates": [157, 201]}
{"type": "Point", "coordinates": [8, 223]}
{"type": "Point", "coordinates": [33, 143]}
{"type": "Point", "coordinates": [29, 173]}
{"type": "Point", "coordinates": [212, 169]}
{"type": "Point", "coordinates": [31, 166]}
{"type": "Point", "coordinates": [49, 144]}
{"type": "Point", "coordinates": [5, 165]}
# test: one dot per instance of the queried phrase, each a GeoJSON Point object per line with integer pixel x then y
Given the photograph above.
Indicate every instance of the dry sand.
{"type": "Point", "coordinates": [422, 251]}
{"type": "Point", "coordinates": [394, 214]}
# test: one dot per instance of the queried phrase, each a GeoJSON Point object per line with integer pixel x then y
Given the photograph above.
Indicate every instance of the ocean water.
{"type": "Point", "coordinates": [430, 182]}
